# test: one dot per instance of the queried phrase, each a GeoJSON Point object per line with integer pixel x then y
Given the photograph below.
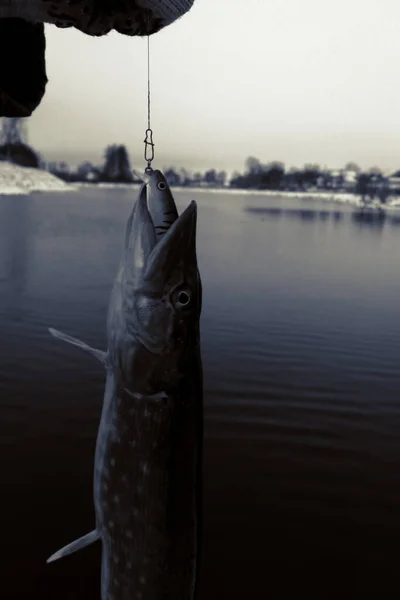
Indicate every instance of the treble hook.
{"type": "Point", "coordinates": [148, 149]}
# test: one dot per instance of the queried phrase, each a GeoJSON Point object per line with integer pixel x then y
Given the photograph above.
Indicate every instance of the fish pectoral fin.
{"type": "Point", "coordinates": [78, 544]}
{"type": "Point", "coordinates": [99, 354]}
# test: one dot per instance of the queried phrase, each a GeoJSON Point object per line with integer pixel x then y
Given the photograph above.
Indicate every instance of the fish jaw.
{"type": "Point", "coordinates": [155, 304]}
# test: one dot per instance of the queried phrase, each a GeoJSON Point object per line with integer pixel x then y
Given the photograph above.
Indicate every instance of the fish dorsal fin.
{"type": "Point", "coordinates": [76, 545]}
{"type": "Point", "coordinates": [99, 354]}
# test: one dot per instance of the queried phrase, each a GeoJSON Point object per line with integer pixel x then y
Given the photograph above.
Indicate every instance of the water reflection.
{"type": "Point", "coordinates": [16, 244]}
{"type": "Point", "coordinates": [305, 214]}
{"type": "Point", "coordinates": [337, 216]}
{"type": "Point", "coordinates": [369, 219]}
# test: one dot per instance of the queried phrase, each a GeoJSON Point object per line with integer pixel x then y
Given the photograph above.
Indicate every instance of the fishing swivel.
{"type": "Point", "coordinates": [148, 149]}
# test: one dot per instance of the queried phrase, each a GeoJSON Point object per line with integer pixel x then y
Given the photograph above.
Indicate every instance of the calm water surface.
{"type": "Point", "coordinates": [301, 351]}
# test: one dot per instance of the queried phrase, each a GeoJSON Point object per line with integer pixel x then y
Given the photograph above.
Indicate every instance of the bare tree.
{"type": "Point", "coordinates": [375, 171]}
{"type": "Point", "coordinates": [253, 165]}
{"type": "Point", "coordinates": [352, 166]}
{"type": "Point", "coordinates": [117, 165]}
{"type": "Point", "coordinates": [13, 131]}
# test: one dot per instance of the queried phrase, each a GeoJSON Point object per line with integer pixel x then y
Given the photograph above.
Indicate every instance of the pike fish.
{"type": "Point", "coordinates": [148, 459]}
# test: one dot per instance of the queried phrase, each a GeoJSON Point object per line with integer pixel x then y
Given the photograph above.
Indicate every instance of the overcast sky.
{"type": "Point", "coordinates": [294, 81]}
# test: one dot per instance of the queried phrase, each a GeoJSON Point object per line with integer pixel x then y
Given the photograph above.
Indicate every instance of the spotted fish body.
{"type": "Point", "coordinates": [147, 479]}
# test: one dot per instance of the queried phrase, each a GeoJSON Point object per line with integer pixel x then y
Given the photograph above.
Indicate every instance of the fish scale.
{"type": "Point", "coordinates": [141, 506]}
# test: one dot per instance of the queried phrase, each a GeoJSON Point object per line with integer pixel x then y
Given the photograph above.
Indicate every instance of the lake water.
{"type": "Point", "coordinates": [301, 352]}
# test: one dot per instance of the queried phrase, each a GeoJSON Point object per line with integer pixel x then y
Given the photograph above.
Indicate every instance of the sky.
{"type": "Point", "coordinates": [292, 81]}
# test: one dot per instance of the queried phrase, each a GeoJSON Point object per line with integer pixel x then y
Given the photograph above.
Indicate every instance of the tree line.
{"type": "Point", "coordinates": [274, 176]}
{"type": "Point", "coordinates": [117, 169]}
{"type": "Point", "coordinates": [257, 175]}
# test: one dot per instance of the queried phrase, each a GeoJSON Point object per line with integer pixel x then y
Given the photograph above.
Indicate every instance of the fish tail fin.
{"type": "Point", "coordinates": [76, 545]}
{"type": "Point", "coordinates": [99, 354]}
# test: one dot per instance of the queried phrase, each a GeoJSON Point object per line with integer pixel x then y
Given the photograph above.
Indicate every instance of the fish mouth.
{"type": "Point", "coordinates": [156, 255]}
{"type": "Point", "coordinates": [178, 245]}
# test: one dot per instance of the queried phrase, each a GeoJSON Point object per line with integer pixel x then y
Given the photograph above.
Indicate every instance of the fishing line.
{"type": "Point", "coordinates": [148, 141]}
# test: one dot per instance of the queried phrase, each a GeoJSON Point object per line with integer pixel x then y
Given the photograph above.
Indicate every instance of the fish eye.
{"type": "Point", "coordinates": [184, 298]}
{"type": "Point", "coordinates": [181, 299]}
{"type": "Point", "coordinates": [161, 185]}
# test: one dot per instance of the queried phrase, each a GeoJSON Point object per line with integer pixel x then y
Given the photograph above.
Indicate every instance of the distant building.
{"type": "Point", "coordinates": [87, 172]}
{"type": "Point", "coordinates": [334, 179]}
{"type": "Point", "coordinates": [394, 182]}
{"type": "Point", "coordinates": [350, 176]}
{"type": "Point", "coordinates": [92, 176]}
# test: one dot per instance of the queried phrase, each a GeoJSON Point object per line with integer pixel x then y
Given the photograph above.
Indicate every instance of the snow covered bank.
{"type": "Point", "coordinates": [345, 198]}
{"type": "Point", "coordinates": [23, 180]}
{"type": "Point", "coordinates": [393, 202]}
{"type": "Point", "coordinates": [338, 197]}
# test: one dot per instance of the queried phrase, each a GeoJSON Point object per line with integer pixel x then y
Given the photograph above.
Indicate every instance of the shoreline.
{"type": "Point", "coordinates": [337, 197]}
{"type": "Point", "coordinates": [16, 180]}
{"type": "Point", "coordinates": [21, 181]}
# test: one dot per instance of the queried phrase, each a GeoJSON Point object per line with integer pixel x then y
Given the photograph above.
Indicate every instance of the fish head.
{"type": "Point", "coordinates": [155, 305]}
